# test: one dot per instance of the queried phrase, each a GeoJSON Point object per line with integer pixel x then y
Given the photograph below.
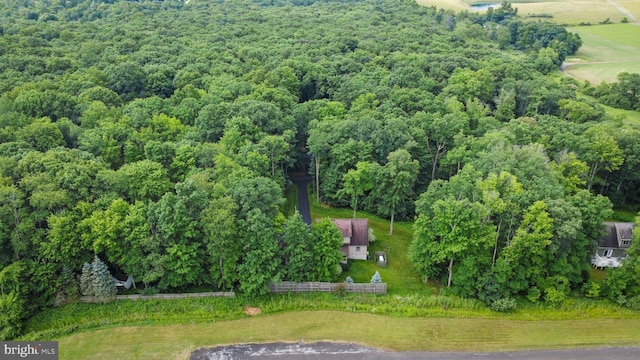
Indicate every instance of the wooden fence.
{"type": "Point", "coordinates": [288, 286]}
{"type": "Point", "coordinates": [91, 299]}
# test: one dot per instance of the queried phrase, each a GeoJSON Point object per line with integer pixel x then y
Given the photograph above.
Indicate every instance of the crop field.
{"type": "Point", "coordinates": [571, 12]}
{"type": "Point", "coordinates": [606, 51]}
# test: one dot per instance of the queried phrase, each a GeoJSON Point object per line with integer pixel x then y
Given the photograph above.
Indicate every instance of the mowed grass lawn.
{"type": "Point", "coordinates": [388, 333]}
{"type": "Point", "coordinates": [400, 274]}
{"type": "Point", "coordinates": [606, 51]}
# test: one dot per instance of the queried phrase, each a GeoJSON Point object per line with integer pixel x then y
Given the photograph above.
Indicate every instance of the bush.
{"type": "Point", "coordinates": [534, 294]}
{"type": "Point", "coordinates": [149, 291]}
{"type": "Point", "coordinates": [633, 303]}
{"type": "Point", "coordinates": [504, 305]}
{"type": "Point", "coordinates": [488, 290]}
{"type": "Point", "coordinates": [621, 300]}
{"type": "Point", "coordinates": [376, 279]}
{"type": "Point", "coordinates": [591, 289]}
{"type": "Point", "coordinates": [554, 296]}
{"type": "Point", "coordinates": [372, 236]}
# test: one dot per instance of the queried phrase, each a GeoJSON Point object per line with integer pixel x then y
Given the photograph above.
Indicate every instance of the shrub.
{"type": "Point", "coordinates": [621, 300]}
{"type": "Point", "coordinates": [554, 296]}
{"type": "Point", "coordinates": [149, 291]}
{"type": "Point", "coordinates": [504, 305]}
{"type": "Point", "coordinates": [633, 303]}
{"type": "Point", "coordinates": [372, 236]}
{"type": "Point", "coordinates": [591, 289]}
{"type": "Point", "coordinates": [376, 279]}
{"type": "Point", "coordinates": [533, 294]}
{"type": "Point", "coordinates": [488, 290]}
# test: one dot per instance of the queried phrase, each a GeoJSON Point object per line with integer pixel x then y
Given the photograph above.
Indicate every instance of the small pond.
{"type": "Point", "coordinates": [484, 7]}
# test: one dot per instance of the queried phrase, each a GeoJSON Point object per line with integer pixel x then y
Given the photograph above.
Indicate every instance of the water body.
{"type": "Point", "coordinates": [484, 7]}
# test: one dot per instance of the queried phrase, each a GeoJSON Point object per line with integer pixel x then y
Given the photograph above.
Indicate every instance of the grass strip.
{"type": "Point", "coordinates": [389, 333]}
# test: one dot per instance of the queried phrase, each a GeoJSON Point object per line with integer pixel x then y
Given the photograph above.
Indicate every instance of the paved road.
{"type": "Point", "coordinates": [340, 351]}
{"type": "Point", "coordinates": [303, 196]}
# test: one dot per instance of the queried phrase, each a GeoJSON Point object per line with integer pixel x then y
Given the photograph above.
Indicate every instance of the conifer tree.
{"type": "Point", "coordinates": [86, 280]}
{"type": "Point", "coordinates": [376, 279]}
{"type": "Point", "coordinates": [103, 285]}
{"type": "Point", "coordinates": [68, 285]}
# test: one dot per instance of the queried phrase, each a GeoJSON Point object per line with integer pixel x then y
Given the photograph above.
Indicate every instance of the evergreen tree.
{"type": "Point", "coordinates": [376, 278]}
{"type": "Point", "coordinates": [86, 280]}
{"type": "Point", "coordinates": [68, 289]}
{"type": "Point", "coordinates": [103, 285]}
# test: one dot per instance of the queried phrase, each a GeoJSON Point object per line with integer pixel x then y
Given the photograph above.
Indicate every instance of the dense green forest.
{"type": "Point", "coordinates": [155, 139]}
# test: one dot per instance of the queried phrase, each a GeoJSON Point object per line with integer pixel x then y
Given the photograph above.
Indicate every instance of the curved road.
{"type": "Point", "coordinates": [342, 351]}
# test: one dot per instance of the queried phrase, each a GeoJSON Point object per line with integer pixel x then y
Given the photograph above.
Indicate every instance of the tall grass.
{"type": "Point", "coordinates": [57, 322]}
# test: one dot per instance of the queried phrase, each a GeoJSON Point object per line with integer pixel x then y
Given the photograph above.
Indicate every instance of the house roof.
{"type": "Point", "coordinates": [345, 226]}
{"type": "Point", "coordinates": [610, 240]}
{"type": "Point", "coordinates": [360, 232]}
{"type": "Point", "coordinates": [625, 230]}
{"type": "Point", "coordinates": [356, 229]}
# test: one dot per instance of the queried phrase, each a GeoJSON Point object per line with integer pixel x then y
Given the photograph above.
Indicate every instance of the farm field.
{"type": "Point", "coordinates": [606, 51]}
{"type": "Point", "coordinates": [569, 12]}
{"type": "Point", "coordinates": [389, 333]}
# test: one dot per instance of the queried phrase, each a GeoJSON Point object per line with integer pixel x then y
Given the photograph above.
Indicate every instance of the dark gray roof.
{"type": "Point", "coordinates": [610, 240]}
{"type": "Point", "coordinates": [625, 230]}
{"type": "Point", "coordinates": [356, 229]}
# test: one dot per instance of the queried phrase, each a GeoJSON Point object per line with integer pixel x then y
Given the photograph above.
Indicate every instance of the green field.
{"type": "Point", "coordinates": [563, 12]}
{"type": "Point", "coordinates": [606, 51]}
{"type": "Point", "coordinates": [389, 333]}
